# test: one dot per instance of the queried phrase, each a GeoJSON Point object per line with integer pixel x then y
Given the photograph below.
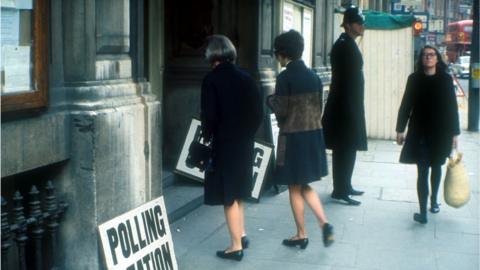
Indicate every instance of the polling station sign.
{"type": "Point", "coordinates": [139, 239]}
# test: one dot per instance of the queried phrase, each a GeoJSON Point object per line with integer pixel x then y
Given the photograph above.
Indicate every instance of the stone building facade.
{"type": "Point", "coordinates": [124, 82]}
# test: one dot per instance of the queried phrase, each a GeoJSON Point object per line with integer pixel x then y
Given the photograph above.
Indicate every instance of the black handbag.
{"type": "Point", "coordinates": [199, 155]}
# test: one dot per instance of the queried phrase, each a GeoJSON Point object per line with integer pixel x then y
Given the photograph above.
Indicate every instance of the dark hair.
{"type": "Point", "coordinates": [441, 66]}
{"type": "Point", "coordinates": [289, 44]}
{"type": "Point", "coordinates": [221, 49]}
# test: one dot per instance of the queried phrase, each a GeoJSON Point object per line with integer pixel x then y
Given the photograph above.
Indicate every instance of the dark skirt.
{"type": "Point", "coordinates": [231, 175]}
{"type": "Point", "coordinates": [305, 159]}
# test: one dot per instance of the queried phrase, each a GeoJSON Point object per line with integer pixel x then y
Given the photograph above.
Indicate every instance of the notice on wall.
{"type": "Point", "coordinates": [24, 4]}
{"type": "Point", "coordinates": [287, 16]}
{"type": "Point", "coordinates": [18, 4]}
{"type": "Point", "coordinates": [415, 5]}
{"type": "Point", "coordinates": [10, 20]}
{"type": "Point", "coordinates": [139, 239]}
{"type": "Point", "coordinates": [8, 4]}
{"type": "Point", "coordinates": [16, 67]}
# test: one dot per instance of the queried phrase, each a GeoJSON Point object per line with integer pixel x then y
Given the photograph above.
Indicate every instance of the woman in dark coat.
{"type": "Point", "coordinates": [429, 106]}
{"type": "Point", "coordinates": [231, 112]}
{"type": "Point", "coordinates": [301, 157]}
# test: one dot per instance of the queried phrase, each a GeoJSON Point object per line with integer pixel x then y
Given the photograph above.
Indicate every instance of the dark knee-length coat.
{"type": "Point", "coordinates": [344, 116]}
{"type": "Point", "coordinates": [297, 104]}
{"type": "Point", "coordinates": [429, 106]}
{"type": "Point", "coordinates": [231, 112]}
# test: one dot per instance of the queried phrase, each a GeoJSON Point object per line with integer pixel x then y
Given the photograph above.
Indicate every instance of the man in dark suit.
{"type": "Point", "coordinates": [344, 117]}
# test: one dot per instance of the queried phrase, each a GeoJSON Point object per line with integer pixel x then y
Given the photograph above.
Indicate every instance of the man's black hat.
{"type": "Point", "coordinates": [352, 15]}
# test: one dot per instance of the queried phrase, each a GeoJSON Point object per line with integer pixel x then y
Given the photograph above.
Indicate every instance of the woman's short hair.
{"type": "Point", "coordinates": [221, 49]}
{"type": "Point", "coordinates": [289, 44]}
{"type": "Point", "coordinates": [441, 66]}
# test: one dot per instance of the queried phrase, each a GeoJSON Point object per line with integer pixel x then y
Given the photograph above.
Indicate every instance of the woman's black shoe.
{"type": "Point", "coordinates": [420, 218]}
{"type": "Point", "coordinates": [234, 255]}
{"type": "Point", "coordinates": [302, 243]}
{"type": "Point", "coordinates": [434, 208]}
{"type": "Point", "coordinates": [328, 237]}
{"type": "Point", "coordinates": [245, 242]}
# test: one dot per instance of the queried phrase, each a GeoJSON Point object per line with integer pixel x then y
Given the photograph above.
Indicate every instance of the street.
{"type": "Point", "coordinates": [377, 235]}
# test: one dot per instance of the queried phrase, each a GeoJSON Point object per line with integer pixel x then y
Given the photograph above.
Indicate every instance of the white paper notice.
{"type": "Point", "coordinates": [17, 79]}
{"type": "Point", "coordinates": [287, 16]}
{"type": "Point", "coordinates": [10, 26]}
{"type": "Point", "coordinates": [16, 55]}
{"type": "Point", "coordinates": [16, 67]}
{"type": "Point", "coordinates": [24, 4]}
{"type": "Point", "coordinates": [8, 3]}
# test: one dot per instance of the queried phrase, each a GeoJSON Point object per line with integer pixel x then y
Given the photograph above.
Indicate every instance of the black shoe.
{"type": "Point", "coordinates": [434, 208]}
{"type": "Point", "coordinates": [328, 237]}
{"type": "Point", "coordinates": [302, 243]}
{"type": "Point", "coordinates": [347, 199]}
{"type": "Point", "coordinates": [245, 242]}
{"type": "Point", "coordinates": [422, 219]}
{"type": "Point", "coordinates": [355, 192]}
{"type": "Point", "coordinates": [234, 255]}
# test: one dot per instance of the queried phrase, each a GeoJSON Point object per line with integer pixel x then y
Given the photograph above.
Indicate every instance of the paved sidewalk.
{"type": "Point", "coordinates": [380, 234]}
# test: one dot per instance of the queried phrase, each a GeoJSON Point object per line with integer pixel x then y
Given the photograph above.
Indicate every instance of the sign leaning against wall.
{"type": "Point", "coordinates": [261, 159]}
{"type": "Point", "coordinates": [139, 239]}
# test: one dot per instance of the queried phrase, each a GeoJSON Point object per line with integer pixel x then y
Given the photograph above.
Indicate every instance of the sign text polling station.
{"type": "Point", "coordinates": [139, 239]}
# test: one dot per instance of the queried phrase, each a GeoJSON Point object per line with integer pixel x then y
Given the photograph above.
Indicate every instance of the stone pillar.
{"type": "Point", "coordinates": [114, 126]}
{"type": "Point", "coordinates": [323, 40]}
{"type": "Point", "coordinates": [269, 14]}
{"type": "Point", "coordinates": [156, 70]}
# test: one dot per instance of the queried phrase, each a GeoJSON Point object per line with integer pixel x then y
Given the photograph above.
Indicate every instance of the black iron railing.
{"type": "Point", "coordinates": [34, 236]}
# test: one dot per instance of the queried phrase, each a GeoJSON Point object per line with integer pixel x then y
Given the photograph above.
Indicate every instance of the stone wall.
{"type": "Point", "coordinates": [102, 126]}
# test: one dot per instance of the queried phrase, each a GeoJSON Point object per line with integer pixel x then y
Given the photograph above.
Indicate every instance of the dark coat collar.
{"type": "Point", "coordinates": [346, 37]}
{"type": "Point", "coordinates": [295, 64]}
{"type": "Point", "coordinates": [224, 65]}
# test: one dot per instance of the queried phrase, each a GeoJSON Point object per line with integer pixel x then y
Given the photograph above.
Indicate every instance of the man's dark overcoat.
{"type": "Point", "coordinates": [429, 106]}
{"type": "Point", "coordinates": [231, 112]}
{"type": "Point", "coordinates": [344, 116]}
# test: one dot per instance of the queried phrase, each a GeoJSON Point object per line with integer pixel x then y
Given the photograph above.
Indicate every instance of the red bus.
{"type": "Point", "coordinates": [458, 39]}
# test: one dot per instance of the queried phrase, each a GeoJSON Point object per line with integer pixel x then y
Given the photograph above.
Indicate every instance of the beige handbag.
{"type": "Point", "coordinates": [456, 188]}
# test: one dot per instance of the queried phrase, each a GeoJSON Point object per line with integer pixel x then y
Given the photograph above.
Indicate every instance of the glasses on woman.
{"type": "Point", "coordinates": [429, 55]}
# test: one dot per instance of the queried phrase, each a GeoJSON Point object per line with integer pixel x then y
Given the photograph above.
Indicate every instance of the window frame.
{"type": "Point", "coordinates": [38, 98]}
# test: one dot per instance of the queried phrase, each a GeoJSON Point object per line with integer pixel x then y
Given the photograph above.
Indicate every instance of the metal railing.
{"type": "Point", "coordinates": [34, 235]}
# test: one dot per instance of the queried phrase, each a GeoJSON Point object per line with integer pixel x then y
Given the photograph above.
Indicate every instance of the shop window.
{"type": "Point", "coordinates": [300, 18]}
{"type": "Point", "coordinates": [24, 54]}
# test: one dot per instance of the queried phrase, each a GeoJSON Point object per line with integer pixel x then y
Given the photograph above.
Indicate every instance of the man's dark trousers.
{"type": "Point", "coordinates": [343, 161]}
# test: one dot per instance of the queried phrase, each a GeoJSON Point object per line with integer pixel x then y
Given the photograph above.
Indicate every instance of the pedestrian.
{"type": "Point", "coordinates": [344, 117]}
{"type": "Point", "coordinates": [429, 106]}
{"type": "Point", "coordinates": [231, 112]}
{"type": "Point", "coordinates": [301, 157]}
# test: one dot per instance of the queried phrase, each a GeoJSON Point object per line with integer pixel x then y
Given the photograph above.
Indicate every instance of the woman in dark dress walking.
{"type": "Point", "coordinates": [429, 106]}
{"type": "Point", "coordinates": [231, 112]}
{"type": "Point", "coordinates": [301, 158]}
